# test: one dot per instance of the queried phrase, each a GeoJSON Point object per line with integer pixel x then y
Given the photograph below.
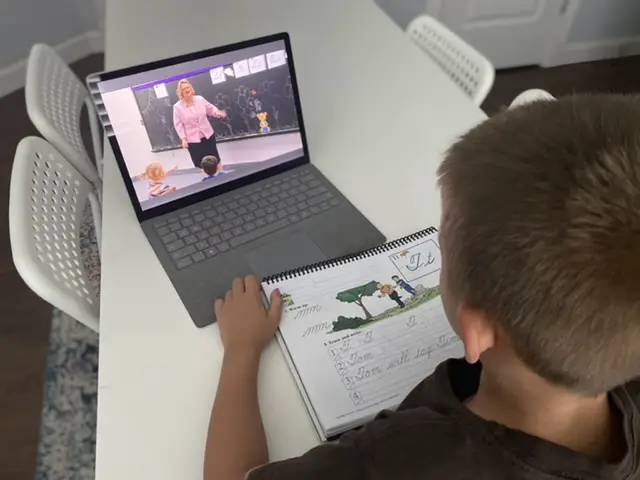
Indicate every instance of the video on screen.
{"type": "Point", "coordinates": [185, 130]}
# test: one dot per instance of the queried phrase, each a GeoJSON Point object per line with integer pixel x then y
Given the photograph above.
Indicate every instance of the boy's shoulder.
{"type": "Point", "coordinates": [431, 435]}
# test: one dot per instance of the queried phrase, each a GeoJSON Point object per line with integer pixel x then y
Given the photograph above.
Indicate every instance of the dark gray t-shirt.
{"type": "Point", "coordinates": [433, 435]}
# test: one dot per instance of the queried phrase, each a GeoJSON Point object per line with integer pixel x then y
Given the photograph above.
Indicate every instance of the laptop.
{"type": "Point", "coordinates": [213, 152]}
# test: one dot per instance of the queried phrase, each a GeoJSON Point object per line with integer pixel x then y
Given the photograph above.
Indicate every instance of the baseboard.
{"type": "Point", "coordinates": [13, 76]}
{"type": "Point", "coordinates": [578, 52]}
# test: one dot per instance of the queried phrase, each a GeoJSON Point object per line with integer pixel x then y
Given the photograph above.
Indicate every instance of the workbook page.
{"type": "Point", "coordinates": [363, 334]}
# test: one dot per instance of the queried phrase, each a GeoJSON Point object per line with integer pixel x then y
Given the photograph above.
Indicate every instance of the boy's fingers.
{"type": "Point", "coordinates": [251, 284]}
{"type": "Point", "coordinates": [217, 306]}
{"type": "Point", "coordinates": [275, 307]}
{"type": "Point", "coordinates": [238, 286]}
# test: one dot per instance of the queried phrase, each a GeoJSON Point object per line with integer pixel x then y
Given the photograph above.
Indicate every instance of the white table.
{"type": "Point", "coordinates": [158, 373]}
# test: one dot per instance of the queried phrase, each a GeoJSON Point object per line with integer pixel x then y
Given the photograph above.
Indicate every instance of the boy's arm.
{"type": "Point", "coordinates": [236, 442]}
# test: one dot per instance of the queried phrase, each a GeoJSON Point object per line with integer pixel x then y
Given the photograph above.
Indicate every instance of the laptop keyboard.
{"type": "Point", "coordinates": [235, 219]}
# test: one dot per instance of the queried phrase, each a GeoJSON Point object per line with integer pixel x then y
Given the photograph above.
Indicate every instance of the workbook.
{"type": "Point", "coordinates": [360, 332]}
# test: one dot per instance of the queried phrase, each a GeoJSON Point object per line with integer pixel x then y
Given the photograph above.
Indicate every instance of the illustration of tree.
{"type": "Point", "coordinates": [354, 295]}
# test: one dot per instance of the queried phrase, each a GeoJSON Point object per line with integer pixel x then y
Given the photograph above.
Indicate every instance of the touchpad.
{"type": "Point", "coordinates": [294, 251]}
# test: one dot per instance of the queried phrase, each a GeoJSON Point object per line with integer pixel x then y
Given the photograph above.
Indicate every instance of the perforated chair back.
{"type": "Point", "coordinates": [46, 201]}
{"type": "Point", "coordinates": [467, 67]}
{"type": "Point", "coordinates": [54, 97]}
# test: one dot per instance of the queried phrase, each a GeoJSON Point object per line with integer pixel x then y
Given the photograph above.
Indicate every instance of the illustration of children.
{"type": "Point", "coordinates": [389, 290]}
{"type": "Point", "coordinates": [211, 167]}
{"type": "Point", "coordinates": [404, 285]}
{"type": "Point", "coordinates": [155, 174]}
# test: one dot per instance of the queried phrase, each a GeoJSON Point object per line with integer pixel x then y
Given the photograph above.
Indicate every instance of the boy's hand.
{"type": "Point", "coordinates": [245, 325]}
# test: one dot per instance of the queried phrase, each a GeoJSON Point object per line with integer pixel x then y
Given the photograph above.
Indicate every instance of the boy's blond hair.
{"type": "Point", "coordinates": [542, 233]}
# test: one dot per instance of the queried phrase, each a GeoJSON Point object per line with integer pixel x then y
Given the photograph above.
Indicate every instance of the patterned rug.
{"type": "Point", "coordinates": [68, 424]}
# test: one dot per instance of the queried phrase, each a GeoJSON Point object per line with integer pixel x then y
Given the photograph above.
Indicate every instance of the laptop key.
{"type": "Point", "coordinates": [160, 223]}
{"type": "Point", "coordinates": [294, 218]}
{"type": "Point", "coordinates": [260, 212]}
{"type": "Point", "coordinates": [174, 227]}
{"type": "Point", "coordinates": [191, 239]}
{"type": "Point", "coordinates": [211, 252]}
{"type": "Point", "coordinates": [320, 198]}
{"type": "Point", "coordinates": [183, 252]}
{"type": "Point", "coordinates": [184, 215]}
{"type": "Point", "coordinates": [173, 246]}
{"type": "Point", "coordinates": [324, 206]}
{"type": "Point", "coordinates": [292, 209]}
{"type": "Point", "coordinates": [226, 225]}
{"type": "Point", "coordinates": [283, 195]}
{"type": "Point", "coordinates": [290, 201]}
{"type": "Point", "coordinates": [215, 230]}
{"type": "Point", "coordinates": [199, 217]}
{"type": "Point", "coordinates": [244, 201]}
{"type": "Point", "coordinates": [202, 244]}
{"type": "Point", "coordinates": [242, 211]}
{"type": "Point", "coordinates": [248, 227]}
{"type": "Point", "coordinates": [210, 213]}
{"type": "Point", "coordinates": [172, 237]}
{"type": "Point", "coordinates": [266, 194]}
{"type": "Point", "coordinates": [162, 231]}
{"type": "Point", "coordinates": [314, 183]}
{"type": "Point", "coordinates": [202, 235]}
{"type": "Point", "coordinates": [249, 217]}
{"type": "Point", "coordinates": [302, 205]}
{"type": "Point", "coordinates": [305, 214]}
{"type": "Point", "coordinates": [195, 228]}
{"type": "Point", "coordinates": [314, 210]}
{"type": "Point", "coordinates": [270, 209]}
{"type": "Point", "coordinates": [230, 215]}
{"type": "Point", "coordinates": [187, 222]}
{"type": "Point", "coordinates": [222, 209]}
{"type": "Point", "coordinates": [301, 197]}
{"type": "Point", "coordinates": [237, 231]}
{"type": "Point", "coordinates": [233, 204]}
{"type": "Point", "coordinates": [226, 236]}
{"type": "Point", "coordinates": [271, 218]}
{"type": "Point", "coordinates": [215, 240]}
{"type": "Point", "coordinates": [184, 263]}
{"type": "Point", "coordinates": [207, 224]}
{"type": "Point", "coordinates": [255, 197]}
{"type": "Point", "coordinates": [223, 246]}
{"type": "Point", "coordinates": [316, 191]}
{"type": "Point", "coordinates": [183, 232]}
{"type": "Point", "coordinates": [197, 257]}
{"type": "Point", "coordinates": [334, 202]}
{"type": "Point", "coordinates": [281, 214]}
{"type": "Point", "coordinates": [261, 222]}
{"type": "Point", "coordinates": [237, 222]}
{"type": "Point", "coordinates": [252, 207]}
{"type": "Point", "coordinates": [259, 232]}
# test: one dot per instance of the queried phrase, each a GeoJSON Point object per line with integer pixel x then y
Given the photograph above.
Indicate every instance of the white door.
{"type": "Point", "coordinates": [510, 33]}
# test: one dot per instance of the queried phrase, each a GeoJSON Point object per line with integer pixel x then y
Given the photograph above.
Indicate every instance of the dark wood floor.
{"type": "Point", "coordinates": [24, 318]}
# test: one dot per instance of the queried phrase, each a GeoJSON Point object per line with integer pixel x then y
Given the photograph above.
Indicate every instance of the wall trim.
{"type": "Point", "coordinates": [12, 77]}
{"type": "Point", "coordinates": [577, 52]}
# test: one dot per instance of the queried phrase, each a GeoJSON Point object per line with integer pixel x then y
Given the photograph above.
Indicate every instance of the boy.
{"type": "Point", "coordinates": [404, 285]}
{"type": "Point", "coordinates": [540, 278]}
{"type": "Point", "coordinates": [211, 167]}
{"type": "Point", "coordinates": [389, 290]}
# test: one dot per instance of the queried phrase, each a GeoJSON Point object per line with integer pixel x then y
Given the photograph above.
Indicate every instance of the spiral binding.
{"type": "Point", "coordinates": [316, 267]}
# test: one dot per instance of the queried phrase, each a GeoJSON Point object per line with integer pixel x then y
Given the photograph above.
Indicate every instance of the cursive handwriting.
{"type": "Point", "coordinates": [303, 312]}
{"type": "Point", "coordinates": [415, 262]}
{"type": "Point", "coordinates": [364, 372]}
{"type": "Point", "coordinates": [399, 360]}
{"type": "Point", "coordinates": [357, 357]}
{"type": "Point", "coordinates": [446, 340]}
{"type": "Point", "coordinates": [317, 328]}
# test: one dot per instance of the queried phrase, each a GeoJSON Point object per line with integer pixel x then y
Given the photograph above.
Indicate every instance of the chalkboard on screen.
{"type": "Point", "coordinates": [245, 98]}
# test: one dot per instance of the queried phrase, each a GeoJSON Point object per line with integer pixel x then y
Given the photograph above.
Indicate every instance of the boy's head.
{"type": "Point", "coordinates": [379, 286]}
{"type": "Point", "coordinates": [541, 239]}
{"type": "Point", "coordinates": [210, 165]}
{"type": "Point", "coordinates": [155, 172]}
{"type": "Point", "coordinates": [395, 278]}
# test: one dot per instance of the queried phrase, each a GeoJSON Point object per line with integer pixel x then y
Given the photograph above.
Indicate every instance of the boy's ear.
{"type": "Point", "coordinates": [476, 331]}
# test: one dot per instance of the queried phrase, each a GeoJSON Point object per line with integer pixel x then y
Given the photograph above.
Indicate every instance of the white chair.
{"type": "Point", "coordinates": [54, 97]}
{"type": "Point", "coordinates": [467, 67]}
{"type": "Point", "coordinates": [532, 95]}
{"type": "Point", "coordinates": [47, 199]}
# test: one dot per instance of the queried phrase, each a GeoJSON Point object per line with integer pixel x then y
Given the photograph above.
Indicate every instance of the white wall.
{"type": "Point", "coordinates": [402, 11]}
{"type": "Point", "coordinates": [598, 19]}
{"type": "Point", "coordinates": [73, 27]}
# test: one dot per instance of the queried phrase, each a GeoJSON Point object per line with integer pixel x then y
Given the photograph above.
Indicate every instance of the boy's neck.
{"type": "Point", "coordinates": [512, 395]}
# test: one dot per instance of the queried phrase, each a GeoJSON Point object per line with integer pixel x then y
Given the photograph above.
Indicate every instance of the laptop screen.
{"type": "Point", "coordinates": [198, 124]}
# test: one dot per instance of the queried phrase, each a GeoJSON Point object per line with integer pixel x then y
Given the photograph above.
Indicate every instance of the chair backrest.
{"type": "Point", "coordinates": [54, 97]}
{"type": "Point", "coordinates": [467, 67]}
{"type": "Point", "coordinates": [46, 200]}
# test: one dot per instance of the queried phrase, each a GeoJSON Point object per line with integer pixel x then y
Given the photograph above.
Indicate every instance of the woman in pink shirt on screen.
{"type": "Point", "coordinates": [190, 120]}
